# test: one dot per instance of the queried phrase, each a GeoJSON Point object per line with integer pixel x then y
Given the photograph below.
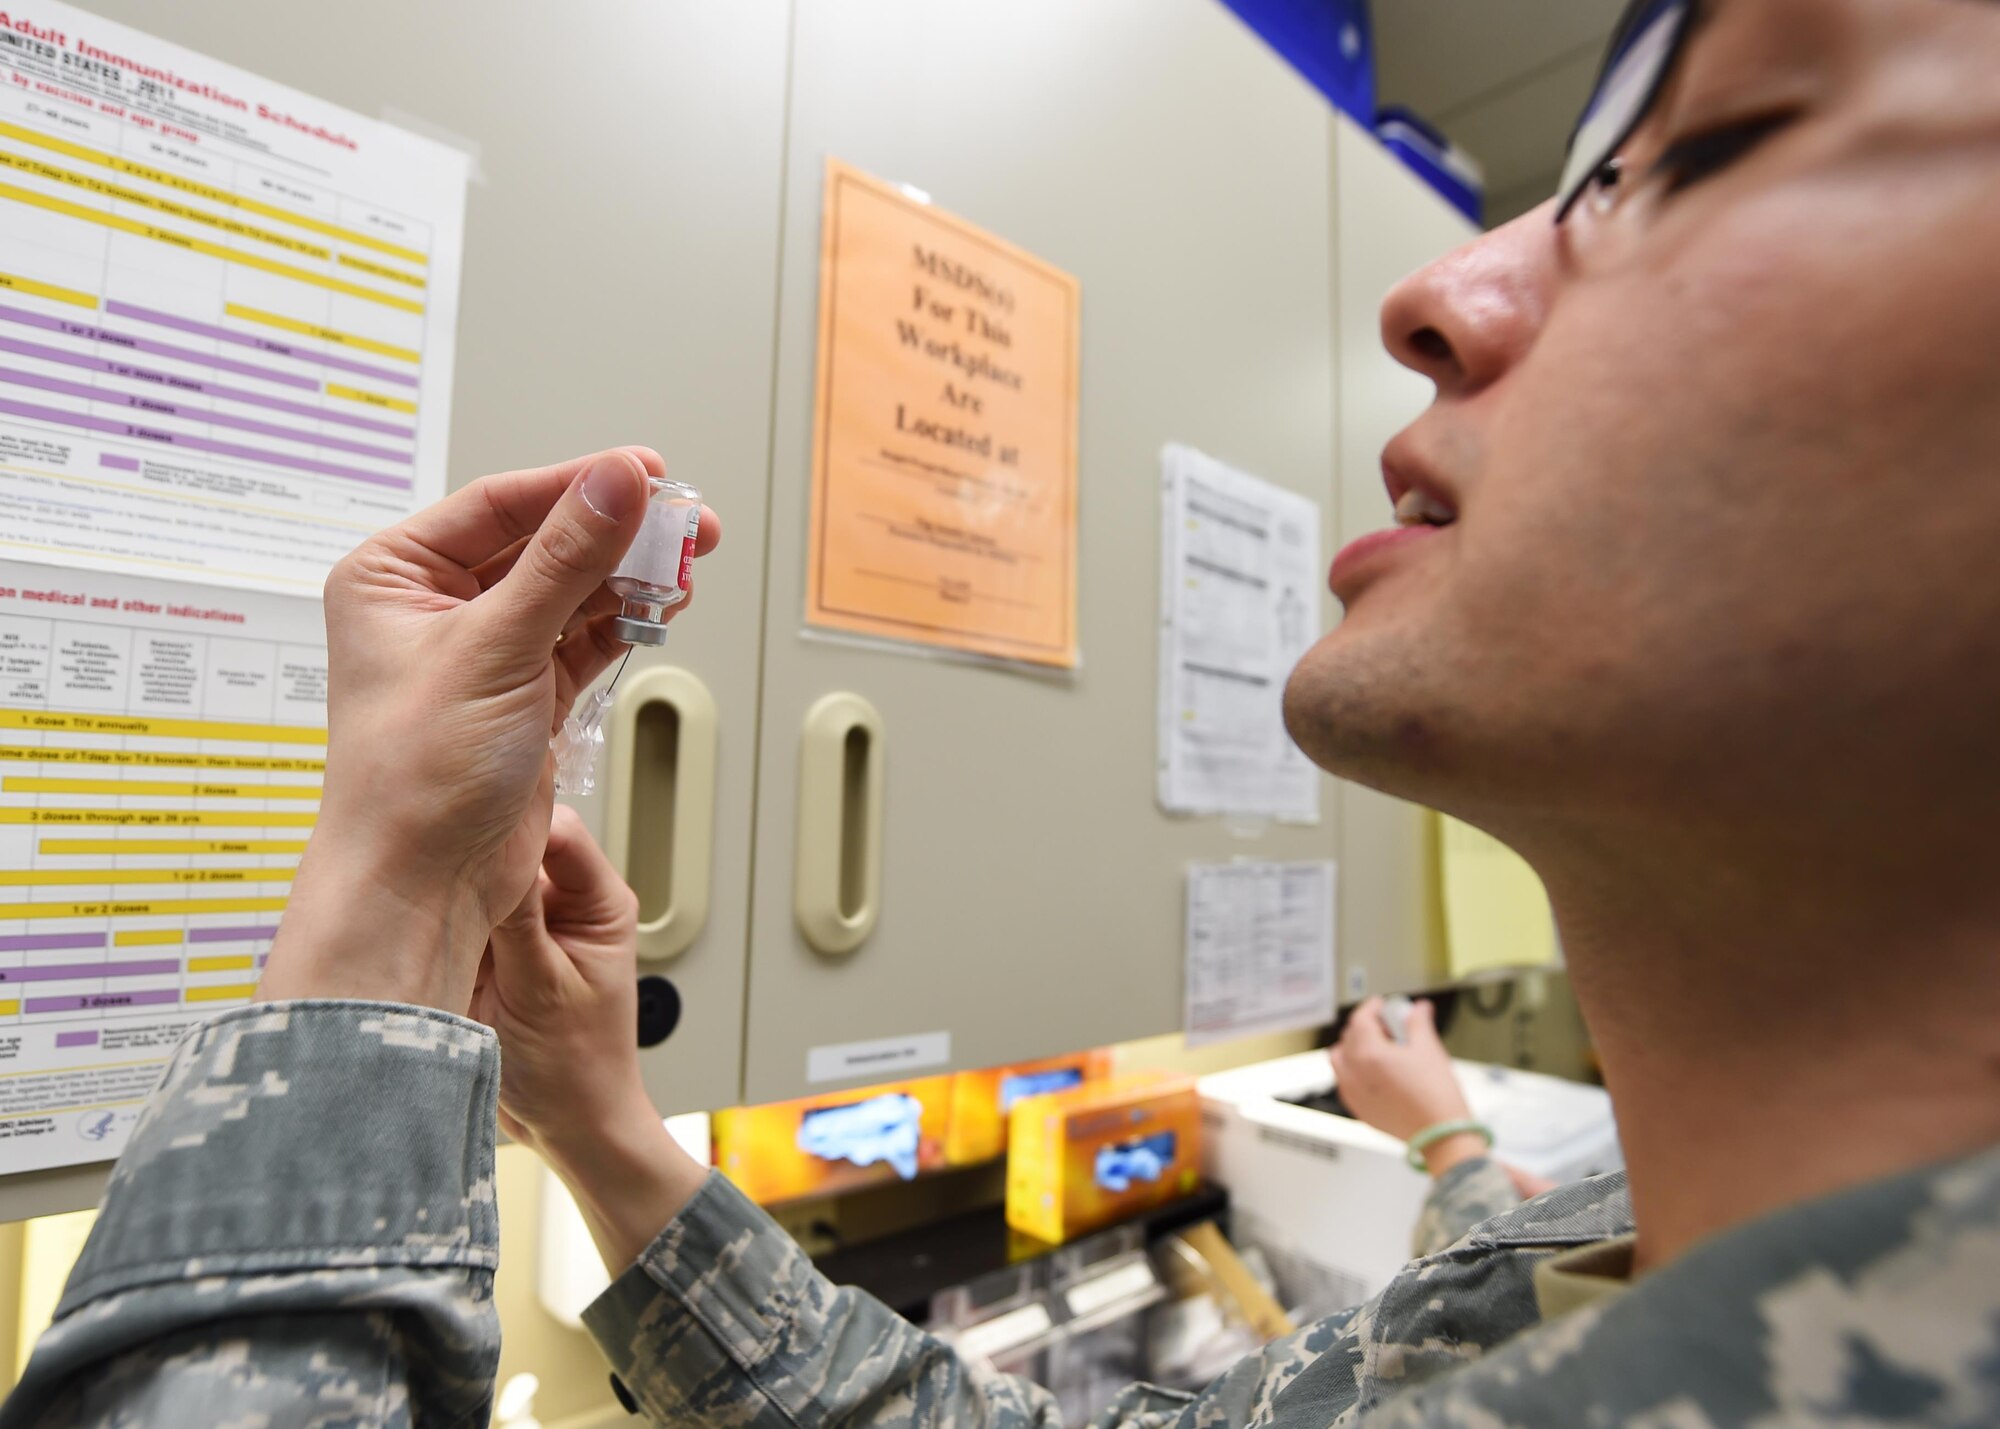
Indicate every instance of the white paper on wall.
{"type": "Point", "coordinates": [1240, 564]}
{"type": "Point", "coordinates": [161, 752]}
{"type": "Point", "coordinates": [1260, 948]}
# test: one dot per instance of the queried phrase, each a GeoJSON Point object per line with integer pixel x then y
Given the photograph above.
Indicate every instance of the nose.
{"type": "Point", "coordinates": [1467, 318]}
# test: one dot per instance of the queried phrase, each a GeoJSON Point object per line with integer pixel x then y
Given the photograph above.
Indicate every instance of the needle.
{"type": "Point", "coordinates": [615, 674]}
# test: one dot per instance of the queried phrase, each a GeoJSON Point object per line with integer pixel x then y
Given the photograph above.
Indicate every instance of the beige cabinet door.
{"type": "Point", "coordinates": [620, 277]}
{"type": "Point", "coordinates": [1387, 224]}
{"type": "Point", "coordinates": [1031, 890]}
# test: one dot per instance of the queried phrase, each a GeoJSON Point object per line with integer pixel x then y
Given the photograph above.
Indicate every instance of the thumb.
{"type": "Point", "coordinates": [578, 545]}
{"type": "Point", "coordinates": [520, 942]}
{"type": "Point", "coordinates": [1365, 1028]}
{"type": "Point", "coordinates": [1421, 1025]}
{"type": "Point", "coordinates": [580, 882]}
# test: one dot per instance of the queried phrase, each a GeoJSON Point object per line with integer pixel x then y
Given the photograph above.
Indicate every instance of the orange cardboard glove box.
{"type": "Point", "coordinates": [840, 1141]}
{"type": "Point", "coordinates": [1099, 1153]}
{"type": "Point", "coordinates": [981, 1101]}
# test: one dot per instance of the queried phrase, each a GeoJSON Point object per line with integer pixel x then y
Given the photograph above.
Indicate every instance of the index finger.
{"type": "Point", "coordinates": [484, 518]}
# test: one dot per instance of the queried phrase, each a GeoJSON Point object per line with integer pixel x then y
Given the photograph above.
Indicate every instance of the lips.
{"type": "Point", "coordinates": [1417, 507]}
{"type": "Point", "coordinates": [1425, 507]}
{"type": "Point", "coordinates": [1365, 560]}
{"type": "Point", "coordinates": [1417, 492]}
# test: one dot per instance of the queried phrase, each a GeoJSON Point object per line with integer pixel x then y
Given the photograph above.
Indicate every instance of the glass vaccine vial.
{"type": "Point", "coordinates": [653, 577]}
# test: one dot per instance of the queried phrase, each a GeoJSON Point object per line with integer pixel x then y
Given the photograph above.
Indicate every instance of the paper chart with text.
{"type": "Point", "coordinates": [161, 752]}
{"type": "Point", "coordinates": [226, 312]}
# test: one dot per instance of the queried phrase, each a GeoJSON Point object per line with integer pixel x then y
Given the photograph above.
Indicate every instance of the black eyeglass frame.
{"type": "Point", "coordinates": [1640, 20]}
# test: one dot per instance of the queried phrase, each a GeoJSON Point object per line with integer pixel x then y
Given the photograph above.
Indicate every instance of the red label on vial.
{"type": "Point", "coordinates": [687, 546]}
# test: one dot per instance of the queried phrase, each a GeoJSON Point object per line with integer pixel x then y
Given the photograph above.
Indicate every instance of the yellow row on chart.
{"type": "Point", "coordinates": [161, 759]}
{"type": "Point", "coordinates": [147, 727]}
{"type": "Point", "coordinates": [90, 877]}
{"type": "Point", "coordinates": [152, 908]}
{"type": "Point", "coordinates": [155, 788]}
{"type": "Point", "coordinates": [207, 191]}
{"type": "Point", "coordinates": [160, 818]}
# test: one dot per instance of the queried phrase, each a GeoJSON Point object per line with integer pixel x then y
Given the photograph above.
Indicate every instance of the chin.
{"type": "Point", "coordinates": [1349, 706]}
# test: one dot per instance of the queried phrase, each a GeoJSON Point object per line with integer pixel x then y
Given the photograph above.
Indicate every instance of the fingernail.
{"type": "Point", "coordinates": [608, 488]}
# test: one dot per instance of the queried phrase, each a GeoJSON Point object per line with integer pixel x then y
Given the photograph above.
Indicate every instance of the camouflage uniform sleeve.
{"type": "Point", "coordinates": [725, 1320]}
{"type": "Point", "coordinates": [1471, 1192]}
{"type": "Point", "coordinates": [301, 1230]}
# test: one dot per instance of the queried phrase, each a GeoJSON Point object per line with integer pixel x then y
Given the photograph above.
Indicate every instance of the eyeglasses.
{"type": "Point", "coordinates": [1644, 49]}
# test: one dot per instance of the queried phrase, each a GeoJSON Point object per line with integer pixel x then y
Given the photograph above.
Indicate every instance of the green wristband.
{"type": "Point", "coordinates": [1432, 1135]}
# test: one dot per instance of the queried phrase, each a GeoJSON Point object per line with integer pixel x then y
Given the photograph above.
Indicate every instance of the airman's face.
{"type": "Point", "coordinates": [1707, 509]}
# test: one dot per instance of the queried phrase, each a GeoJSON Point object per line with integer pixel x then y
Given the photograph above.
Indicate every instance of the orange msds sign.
{"type": "Point", "coordinates": [944, 452]}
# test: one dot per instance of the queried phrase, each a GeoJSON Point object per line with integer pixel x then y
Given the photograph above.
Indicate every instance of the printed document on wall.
{"type": "Point", "coordinates": [161, 749]}
{"type": "Point", "coordinates": [1260, 953]}
{"type": "Point", "coordinates": [226, 312]}
{"type": "Point", "coordinates": [1240, 572]}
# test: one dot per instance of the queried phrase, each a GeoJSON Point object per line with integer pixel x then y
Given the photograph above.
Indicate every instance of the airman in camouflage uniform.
{"type": "Point", "coordinates": [1774, 252]}
{"type": "Point", "coordinates": [276, 1250]}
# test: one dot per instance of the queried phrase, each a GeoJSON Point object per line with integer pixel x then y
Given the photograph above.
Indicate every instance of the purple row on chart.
{"type": "Point", "coordinates": [157, 349]}
{"type": "Point", "coordinates": [102, 999]}
{"type": "Point", "coordinates": [50, 942]}
{"type": "Point", "coordinates": [75, 1039]}
{"type": "Point", "coordinates": [159, 408]}
{"type": "Point", "coordinates": [231, 935]}
{"type": "Point", "coordinates": [198, 387]}
{"type": "Point", "coordinates": [116, 462]}
{"type": "Point", "coordinates": [58, 973]}
{"type": "Point", "coordinates": [86, 423]}
{"type": "Point", "coordinates": [265, 344]}
{"type": "Point", "coordinates": [68, 942]}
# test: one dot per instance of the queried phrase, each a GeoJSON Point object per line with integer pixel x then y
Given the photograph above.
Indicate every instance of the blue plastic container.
{"type": "Point", "coordinates": [1449, 169]}
{"type": "Point", "coordinates": [1330, 42]}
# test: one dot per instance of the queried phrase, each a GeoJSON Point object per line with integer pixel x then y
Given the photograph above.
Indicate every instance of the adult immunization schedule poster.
{"type": "Point", "coordinates": [226, 312]}
{"type": "Point", "coordinates": [161, 750]}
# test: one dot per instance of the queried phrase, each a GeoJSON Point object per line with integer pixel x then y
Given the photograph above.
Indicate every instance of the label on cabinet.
{"type": "Point", "coordinates": [884, 1059]}
{"type": "Point", "coordinates": [944, 447]}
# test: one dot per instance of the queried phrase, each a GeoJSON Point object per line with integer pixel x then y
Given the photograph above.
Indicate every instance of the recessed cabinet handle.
{"type": "Point", "coordinates": [838, 893]}
{"type": "Point", "coordinates": [660, 818]}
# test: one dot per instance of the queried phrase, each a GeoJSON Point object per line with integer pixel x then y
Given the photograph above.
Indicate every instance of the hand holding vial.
{"type": "Point", "coordinates": [458, 641]}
